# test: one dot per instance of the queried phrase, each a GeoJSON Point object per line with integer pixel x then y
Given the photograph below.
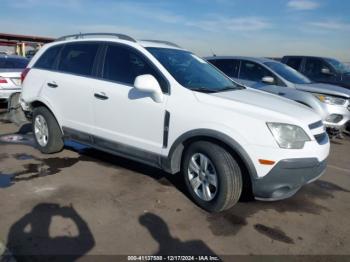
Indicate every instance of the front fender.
{"type": "Point", "coordinates": [172, 163]}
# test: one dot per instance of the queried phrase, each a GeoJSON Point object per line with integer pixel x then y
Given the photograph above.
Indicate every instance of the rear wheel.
{"type": "Point", "coordinates": [212, 176]}
{"type": "Point", "coordinates": [47, 133]}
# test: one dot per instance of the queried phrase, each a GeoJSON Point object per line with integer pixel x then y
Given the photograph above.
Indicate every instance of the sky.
{"type": "Point", "coordinates": [224, 27]}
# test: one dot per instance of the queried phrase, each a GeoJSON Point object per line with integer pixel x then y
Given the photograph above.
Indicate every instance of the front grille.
{"type": "Point", "coordinates": [334, 118]}
{"type": "Point", "coordinates": [322, 138]}
{"type": "Point", "coordinates": [316, 125]}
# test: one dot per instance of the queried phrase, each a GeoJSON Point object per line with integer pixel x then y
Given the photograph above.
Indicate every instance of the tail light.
{"type": "Point", "coordinates": [24, 74]}
{"type": "Point", "coordinates": [3, 80]}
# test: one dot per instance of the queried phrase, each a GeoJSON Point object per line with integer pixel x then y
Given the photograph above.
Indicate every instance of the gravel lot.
{"type": "Point", "coordinates": [82, 201]}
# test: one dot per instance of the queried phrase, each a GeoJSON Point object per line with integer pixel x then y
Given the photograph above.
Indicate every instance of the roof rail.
{"type": "Point", "coordinates": [162, 42]}
{"type": "Point", "coordinates": [80, 35]}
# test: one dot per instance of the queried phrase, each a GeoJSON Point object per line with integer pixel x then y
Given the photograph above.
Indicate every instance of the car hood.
{"type": "Point", "coordinates": [324, 89]}
{"type": "Point", "coordinates": [271, 107]}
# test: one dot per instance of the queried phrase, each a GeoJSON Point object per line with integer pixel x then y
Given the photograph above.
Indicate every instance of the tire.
{"type": "Point", "coordinates": [54, 139]}
{"type": "Point", "coordinates": [228, 173]}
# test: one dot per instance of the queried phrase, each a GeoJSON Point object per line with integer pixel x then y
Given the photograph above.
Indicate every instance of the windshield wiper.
{"type": "Point", "coordinates": [203, 90]}
{"type": "Point", "coordinates": [230, 88]}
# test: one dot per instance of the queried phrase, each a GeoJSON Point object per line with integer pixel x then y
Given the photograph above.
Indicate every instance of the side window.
{"type": "Point", "coordinates": [314, 66]}
{"type": "Point", "coordinates": [47, 59]}
{"type": "Point", "coordinates": [294, 62]}
{"type": "Point", "coordinates": [78, 58]}
{"type": "Point", "coordinates": [228, 66]}
{"type": "Point", "coordinates": [253, 72]}
{"type": "Point", "coordinates": [123, 65]}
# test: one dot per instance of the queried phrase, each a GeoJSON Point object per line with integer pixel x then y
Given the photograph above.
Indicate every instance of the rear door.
{"type": "Point", "coordinates": [313, 70]}
{"type": "Point", "coordinates": [294, 62]}
{"type": "Point", "coordinates": [69, 87]}
{"type": "Point", "coordinates": [126, 119]}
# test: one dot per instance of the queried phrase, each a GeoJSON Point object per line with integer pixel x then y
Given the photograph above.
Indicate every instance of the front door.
{"type": "Point", "coordinates": [313, 70]}
{"type": "Point", "coordinates": [251, 74]}
{"type": "Point", "coordinates": [123, 115]}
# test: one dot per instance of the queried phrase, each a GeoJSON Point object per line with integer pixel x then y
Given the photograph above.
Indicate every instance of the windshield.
{"type": "Point", "coordinates": [191, 71]}
{"type": "Point", "coordinates": [288, 73]}
{"type": "Point", "coordinates": [13, 63]}
{"type": "Point", "coordinates": [338, 66]}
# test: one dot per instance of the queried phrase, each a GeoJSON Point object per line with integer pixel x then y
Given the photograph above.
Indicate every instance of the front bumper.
{"type": "Point", "coordinates": [287, 177]}
{"type": "Point", "coordinates": [338, 117]}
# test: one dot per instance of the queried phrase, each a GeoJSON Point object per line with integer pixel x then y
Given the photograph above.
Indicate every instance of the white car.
{"type": "Point", "coordinates": [11, 67]}
{"type": "Point", "coordinates": [154, 102]}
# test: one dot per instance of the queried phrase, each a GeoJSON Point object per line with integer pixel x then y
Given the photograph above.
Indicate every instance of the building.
{"type": "Point", "coordinates": [20, 43]}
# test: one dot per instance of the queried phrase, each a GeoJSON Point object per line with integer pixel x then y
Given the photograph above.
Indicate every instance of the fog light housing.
{"type": "Point", "coordinates": [334, 118]}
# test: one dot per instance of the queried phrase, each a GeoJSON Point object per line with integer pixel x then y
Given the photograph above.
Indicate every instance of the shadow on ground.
{"type": "Point", "coordinates": [3, 112]}
{"type": "Point", "coordinates": [23, 136]}
{"type": "Point", "coordinates": [31, 237]}
{"type": "Point", "coordinates": [169, 245]}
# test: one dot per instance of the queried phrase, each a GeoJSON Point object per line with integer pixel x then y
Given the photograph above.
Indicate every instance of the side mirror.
{"type": "Point", "coordinates": [268, 80]}
{"type": "Point", "coordinates": [149, 84]}
{"type": "Point", "coordinates": [326, 71]}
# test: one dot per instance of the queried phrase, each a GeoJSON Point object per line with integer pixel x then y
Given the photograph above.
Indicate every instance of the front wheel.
{"type": "Point", "coordinates": [47, 132]}
{"type": "Point", "coordinates": [212, 176]}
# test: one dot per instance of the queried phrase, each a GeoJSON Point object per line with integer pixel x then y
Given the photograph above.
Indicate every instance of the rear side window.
{"type": "Point", "coordinates": [78, 58]}
{"type": "Point", "coordinates": [47, 60]}
{"type": "Point", "coordinates": [228, 66]}
{"type": "Point", "coordinates": [314, 66]}
{"type": "Point", "coordinates": [13, 63]}
{"type": "Point", "coordinates": [123, 65]}
{"type": "Point", "coordinates": [294, 62]}
{"type": "Point", "coordinates": [253, 72]}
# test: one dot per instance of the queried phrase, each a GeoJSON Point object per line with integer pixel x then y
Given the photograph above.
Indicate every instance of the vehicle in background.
{"type": "Point", "coordinates": [30, 53]}
{"type": "Point", "coordinates": [228, 65]}
{"type": "Point", "coordinates": [156, 103]}
{"type": "Point", "coordinates": [11, 67]}
{"type": "Point", "coordinates": [275, 77]}
{"type": "Point", "coordinates": [321, 69]}
{"type": "Point", "coordinates": [275, 58]}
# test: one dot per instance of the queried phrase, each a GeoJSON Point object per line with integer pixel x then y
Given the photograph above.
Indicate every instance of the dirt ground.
{"type": "Point", "coordinates": [82, 201]}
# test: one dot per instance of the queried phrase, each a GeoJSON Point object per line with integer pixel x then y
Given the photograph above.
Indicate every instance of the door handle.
{"type": "Point", "coordinates": [52, 85]}
{"type": "Point", "coordinates": [101, 96]}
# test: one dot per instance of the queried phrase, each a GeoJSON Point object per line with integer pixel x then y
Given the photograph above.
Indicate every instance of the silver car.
{"type": "Point", "coordinates": [11, 68]}
{"type": "Point", "coordinates": [274, 77]}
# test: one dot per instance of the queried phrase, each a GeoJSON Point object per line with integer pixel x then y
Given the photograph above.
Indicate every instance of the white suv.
{"type": "Point", "coordinates": [156, 103]}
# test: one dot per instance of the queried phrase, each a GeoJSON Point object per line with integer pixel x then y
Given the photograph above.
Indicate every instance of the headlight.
{"type": "Point", "coordinates": [288, 136]}
{"type": "Point", "coordinates": [332, 100]}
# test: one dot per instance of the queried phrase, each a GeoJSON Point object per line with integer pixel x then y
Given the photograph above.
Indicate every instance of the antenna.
{"type": "Point", "coordinates": [212, 52]}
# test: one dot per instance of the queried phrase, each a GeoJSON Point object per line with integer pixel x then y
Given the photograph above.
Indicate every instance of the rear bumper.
{"type": "Point", "coordinates": [287, 177]}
